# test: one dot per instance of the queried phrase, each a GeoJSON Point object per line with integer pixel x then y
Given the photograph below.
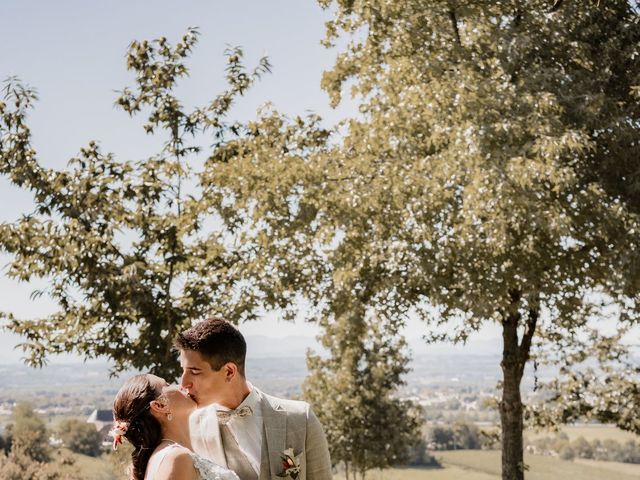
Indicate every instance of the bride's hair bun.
{"type": "Point", "coordinates": [131, 409]}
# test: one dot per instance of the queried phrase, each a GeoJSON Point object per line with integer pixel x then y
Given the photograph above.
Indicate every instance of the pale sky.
{"type": "Point", "coordinates": [73, 53]}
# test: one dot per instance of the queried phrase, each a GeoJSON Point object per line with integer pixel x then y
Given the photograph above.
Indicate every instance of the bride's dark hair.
{"type": "Point", "coordinates": [143, 431]}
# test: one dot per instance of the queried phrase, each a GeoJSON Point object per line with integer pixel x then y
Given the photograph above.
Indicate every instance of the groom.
{"type": "Point", "coordinates": [258, 436]}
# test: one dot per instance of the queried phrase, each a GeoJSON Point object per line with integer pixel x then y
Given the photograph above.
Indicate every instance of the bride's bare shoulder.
{"type": "Point", "coordinates": [177, 464]}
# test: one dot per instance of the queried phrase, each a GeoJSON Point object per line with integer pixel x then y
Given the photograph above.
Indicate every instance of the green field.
{"type": "Point", "coordinates": [416, 473]}
{"type": "Point", "coordinates": [540, 468]}
{"type": "Point", "coordinates": [456, 465]}
{"type": "Point", "coordinates": [64, 462]}
{"type": "Point", "coordinates": [589, 432]}
{"type": "Point", "coordinates": [89, 468]}
{"type": "Point", "coordinates": [485, 465]}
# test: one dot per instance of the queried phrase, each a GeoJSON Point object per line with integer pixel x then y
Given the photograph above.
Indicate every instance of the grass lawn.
{"type": "Point", "coordinates": [485, 465]}
{"type": "Point", "coordinates": [416, 473]}
{"type": "Point", "coordinates": [89, 468]}
{"type": "Point", "coordinates": [625, 468]}
{"type": "Point", "coordinates": [457, 465]}
{"type": "Point", "coordinates": [540, 468]}
{"type": "Point", "coordinates": [589, 432]}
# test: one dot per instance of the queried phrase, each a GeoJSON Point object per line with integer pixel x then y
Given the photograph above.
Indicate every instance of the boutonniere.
{"type": "Point", "coordinates": [290, 464]}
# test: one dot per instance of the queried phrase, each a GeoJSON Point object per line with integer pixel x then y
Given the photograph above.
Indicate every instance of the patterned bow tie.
{"type": "Point", "coordinates": [225, 415]}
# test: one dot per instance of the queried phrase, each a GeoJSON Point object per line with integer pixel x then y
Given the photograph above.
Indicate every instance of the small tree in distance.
{"type": "Point", "coordinates": [80, 437]}
{"type": "Point", "coordinates": [353, 392]}
{"type": "Point", "coordinates": [27, 433]}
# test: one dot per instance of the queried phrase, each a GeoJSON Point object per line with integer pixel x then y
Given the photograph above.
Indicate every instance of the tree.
{"type": "Point", "coordinates": [134, 251]}
{"type": "Point", "coordinates": [467, 436]}
{"type": "Point", "coordinates": [567, 453]}
{"type": "Point", "coordinates": [80, 437]}
{"type": "Point", "coordinates": [460, 435]}
{"type": "Point", "coordinates": [353, 390]}
{"type": "Point", "coordinates": [18, 465]}
{"type": "Point", "coordinates": [597, 382]}
{"type": "Point", "coordinates": [419, 456]}
{"type": "Point", "coordinates": [27, 433]}
{"type": "Point", "coordinates": [490, 177]}
{"type": "Point", "coordinates": [442, 437]}
{"type": "Point", "coordinates": [582, 448]}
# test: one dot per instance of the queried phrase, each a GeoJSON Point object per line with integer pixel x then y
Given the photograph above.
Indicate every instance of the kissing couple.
{"type": "Point", "coordinates": [216, 424]}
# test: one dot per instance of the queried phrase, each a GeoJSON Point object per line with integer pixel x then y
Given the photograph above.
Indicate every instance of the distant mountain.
{"type": "Point", "coordinates": [475, 346]}
{"type": "Point", "coordinates": [10, 353]}
{"type": "Point", "coordinates": [258, 346]}
{"type": "Point", "coordinates": [261, 346]}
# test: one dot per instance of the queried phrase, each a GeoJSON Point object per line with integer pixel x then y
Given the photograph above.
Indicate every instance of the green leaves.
{"type": "Point", "coordinates": [353, 392]}
{"type": "Point", "coordinates": [132, 252]}
{"type": "Point", "coordinates": [475, 169]}
{"type": "Point", "coordinates": [490, 176]}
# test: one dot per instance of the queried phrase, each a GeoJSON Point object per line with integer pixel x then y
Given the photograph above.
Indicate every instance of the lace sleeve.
{"type": "Point", "coordinates": [208, 470]}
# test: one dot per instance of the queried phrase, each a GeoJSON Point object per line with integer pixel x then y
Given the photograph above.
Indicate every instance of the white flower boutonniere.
{"type": "Point", "coordinates": [290, 464]}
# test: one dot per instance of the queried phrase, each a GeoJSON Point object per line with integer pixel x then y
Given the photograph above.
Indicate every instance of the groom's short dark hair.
{"type": "Point", "coordinates": [217, 340]}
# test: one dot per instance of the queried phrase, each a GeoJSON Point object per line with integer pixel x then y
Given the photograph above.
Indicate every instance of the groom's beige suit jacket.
{"type": "Point", "coordinates": [287, 424]}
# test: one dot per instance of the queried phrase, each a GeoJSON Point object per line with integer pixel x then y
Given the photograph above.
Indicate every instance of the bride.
{"type": "Point", "coordinates": [154, 417]}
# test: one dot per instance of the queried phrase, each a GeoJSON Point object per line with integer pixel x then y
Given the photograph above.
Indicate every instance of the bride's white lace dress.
{"type": "Point", "coordinates": [207, 470]}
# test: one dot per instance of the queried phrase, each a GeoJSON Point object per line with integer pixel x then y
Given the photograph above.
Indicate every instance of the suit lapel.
{"type": "Point", "coordinates": [265, 473]}
{"type": "Point", "coordinates": [275, 433]}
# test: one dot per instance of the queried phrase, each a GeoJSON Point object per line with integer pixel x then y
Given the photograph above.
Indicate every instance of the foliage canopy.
{"type": "Point", "coordinates": [354, 392]}
{"type": "Point", "coordinates": [492, 176]}
{"type": "Point", "coordinates": [133, 251]}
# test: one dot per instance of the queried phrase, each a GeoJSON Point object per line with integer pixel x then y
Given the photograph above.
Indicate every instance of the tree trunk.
{"type": "Point", "coordinates": [514, 358]}
{"type": "Point", "coordinates": [511, 404]}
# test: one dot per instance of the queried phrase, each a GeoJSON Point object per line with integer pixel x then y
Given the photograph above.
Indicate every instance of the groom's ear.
{"type": "Point", "coordinates": [230, 371]}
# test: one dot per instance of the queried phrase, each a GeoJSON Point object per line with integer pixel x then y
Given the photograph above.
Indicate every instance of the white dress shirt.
{"type": "Point", "coordinates": [248, 430]}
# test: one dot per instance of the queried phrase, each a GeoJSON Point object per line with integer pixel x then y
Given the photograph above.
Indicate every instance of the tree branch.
{"type": "Point", "coordinates": [524, 348]}
{"type": "Point", "coordinates": [556, 6]}
{"type": "Point", "coordinates": [454, 24]}
{"type": "Point", "coordinates": [517, 19]}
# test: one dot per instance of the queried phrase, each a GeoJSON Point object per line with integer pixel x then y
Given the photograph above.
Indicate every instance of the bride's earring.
{"type": "Point", "coordinates": [169, 416]}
